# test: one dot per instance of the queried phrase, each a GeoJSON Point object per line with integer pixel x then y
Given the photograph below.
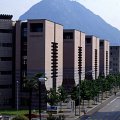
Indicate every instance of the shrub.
{"type": "Point", "coordinates": [19, 117]}
{"type": "Point", "coordinates": [60, 117]}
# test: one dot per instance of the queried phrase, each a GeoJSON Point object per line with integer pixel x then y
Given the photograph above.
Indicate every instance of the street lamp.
{"type": "Point", "coordinates": [79, 91]}
{"type": "Point", "coordinates": [17, 95]}
{"type": "Point", "coordinates": [41, 81]}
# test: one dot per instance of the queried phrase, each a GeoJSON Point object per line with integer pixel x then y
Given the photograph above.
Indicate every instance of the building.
{"type": "Point", "coordinates": [114, 59]}
{"type": "Point", "coordinates": [39, 48]}
{"type": "Point", "coordinates": [104, 57]}
{"type": "Point", "coordinates": [91, 57]}
{"type": "Point", "coordinates": [73, 58]}
{"type": "Point", "coordinates": [39, 45]}
{"type": "Point", "coordinates": [7, 86]}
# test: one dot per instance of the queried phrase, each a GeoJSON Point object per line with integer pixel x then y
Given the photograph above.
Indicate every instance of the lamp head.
{"type": "Point", "coordinates": [42, 80]}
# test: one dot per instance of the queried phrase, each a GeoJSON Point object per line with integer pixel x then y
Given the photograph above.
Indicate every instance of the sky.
{"type": "Point", "coordinates": [107, 9]}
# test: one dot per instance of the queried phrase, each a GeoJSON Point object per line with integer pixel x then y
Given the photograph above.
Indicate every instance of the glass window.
{"type": "Point", "coordinates": [36, 27]}
{"type": "Point", "coordinates": [88, 40]}
{"type": "Point", "coordinates": [6, 72]}
{"type": "Point", "coordinates": [6, 58]}
{"type": "Point", "coordinates": [25, 32]}
{"type": "Point", "coordinates": [101, 43]}
{"type": "Point", "coordinates": [68, 35]}
{"type": "Point", "coordinates": [6, 44]}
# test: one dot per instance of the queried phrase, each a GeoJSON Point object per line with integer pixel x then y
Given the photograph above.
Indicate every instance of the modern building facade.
{"type": "Point", "coordinates": [39, 49]}
{"type": "Point", "coordinates": [41, 46]}
{"type": "Point", "coordinates": [91, 57]}
{"type": "Point", "coordinates": [104, 57]}
{"type": "Point", "coordinates": [6, 62]}
{"type": "Point", "coordinates": [73, 58]}
{"type": "Point", "coordinates": [114, 59]}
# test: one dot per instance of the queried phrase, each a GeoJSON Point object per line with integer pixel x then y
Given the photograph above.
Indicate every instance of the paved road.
{"type": "Point", "coordinates": [109, 112]}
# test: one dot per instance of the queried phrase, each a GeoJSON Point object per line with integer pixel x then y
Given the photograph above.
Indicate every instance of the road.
{"type": "Point", "coordinates": [109, 112]}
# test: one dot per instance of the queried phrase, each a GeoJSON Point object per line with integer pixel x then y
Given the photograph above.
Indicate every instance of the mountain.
{"type": "Point", "coordinates": [73, 15]}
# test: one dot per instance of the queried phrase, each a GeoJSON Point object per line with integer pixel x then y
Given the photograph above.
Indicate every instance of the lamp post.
{"type": "Point", "coordinates": [79, 91]}
{"type": "Point", "coordinates": [17, 95]}
{"type": "Point", "coordinates": [41, 81]}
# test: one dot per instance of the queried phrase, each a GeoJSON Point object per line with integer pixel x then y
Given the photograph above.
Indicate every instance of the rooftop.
{"type": "Point", "coordinates": [4, 16]}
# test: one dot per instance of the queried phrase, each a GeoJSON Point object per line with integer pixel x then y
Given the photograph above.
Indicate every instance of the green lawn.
{"type": "Point", "coordinates": [13, 112]}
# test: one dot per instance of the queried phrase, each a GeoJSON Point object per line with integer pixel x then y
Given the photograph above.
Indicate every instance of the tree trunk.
{"type": "Point", "coordinates": [88, 103]}
{"type": "Point", "coordinates": [98, 97]}
{"type": "Point", "coordinates": [94, 101]}
{"type": "Point", "coordinates": [75, 109]}
{"type": "Point", "coordinates": [102, 97]}
{"type": "Point", "coordinates": [83, 103]}
{"type": "Point", "coordinates": [106, 94]}
{"type": "Point", "coordinates": [30, 102]}
{"type": "Point", "coordinates": [110, 92]}
{"type": "Point", "coordinates": [60, 105]}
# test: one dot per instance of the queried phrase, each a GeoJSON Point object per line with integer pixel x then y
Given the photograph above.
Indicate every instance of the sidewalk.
{"type": "Point", "coordinates": [89, 110]}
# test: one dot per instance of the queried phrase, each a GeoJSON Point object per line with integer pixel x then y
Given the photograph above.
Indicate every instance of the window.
{"type": "Point", "coordinates": [36, 27]}
{"type": "Point", "coordinates": [25, 32]}
{"type": "Point", "coordinates": [68, 35]}
{"type": "Point", "coordinates": [6, 44]}
{"type": "Point", "coordinates": [24, 29]}
{"type": "Point", "coordinates": [6, 58]}
{"type": "Point", "coordinates": [88, 40]}
{"type": "Point", "coordinates": [101, 43]}
{"type": "Point", "coordinates": [6, 72]}
{"type": "Point", "coordinates": [5, 31]}
{"type": "Point", "coordinates": [5, 86]}
{"type": "Point", "coordinates": [25, 61]}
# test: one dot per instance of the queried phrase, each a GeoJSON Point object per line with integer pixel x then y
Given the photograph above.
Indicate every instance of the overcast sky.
{"type": "Point", "coordinates": [109, 10]}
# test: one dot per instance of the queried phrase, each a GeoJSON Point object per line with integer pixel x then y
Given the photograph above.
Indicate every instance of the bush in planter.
{"type": "Point", "coordinates": [60, 111]}
{"type": "Point", "coordinates": [19, 117]}
{"type": "Point", "coordinates": [51, 118]}
{"type": "Point", "coordinates": [60, 117]}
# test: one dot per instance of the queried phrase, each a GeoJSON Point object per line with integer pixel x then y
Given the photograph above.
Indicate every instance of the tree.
{"type": "Point", "coordinates": [31, 84]}
{"type": "Point", "coordinates": [89, 90]}
{"type": "Point", "coordinates": [75, 95]}
{"type": "Point", "coordinates": [110, 83]}
{"type": "Point", "coordinates": [95, 90]}
{"type": "Point", "coordinates": [99, 84]}
{"type": "Point", "coordinates": [52, 97]}
{"type": "Point", "coordinates": [62, 95]}
{"type": "Point", "coordinates": [82, 91]}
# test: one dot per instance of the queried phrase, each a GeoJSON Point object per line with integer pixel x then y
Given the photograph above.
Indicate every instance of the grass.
{"type": "Point", "coordinates": [13, 112]}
